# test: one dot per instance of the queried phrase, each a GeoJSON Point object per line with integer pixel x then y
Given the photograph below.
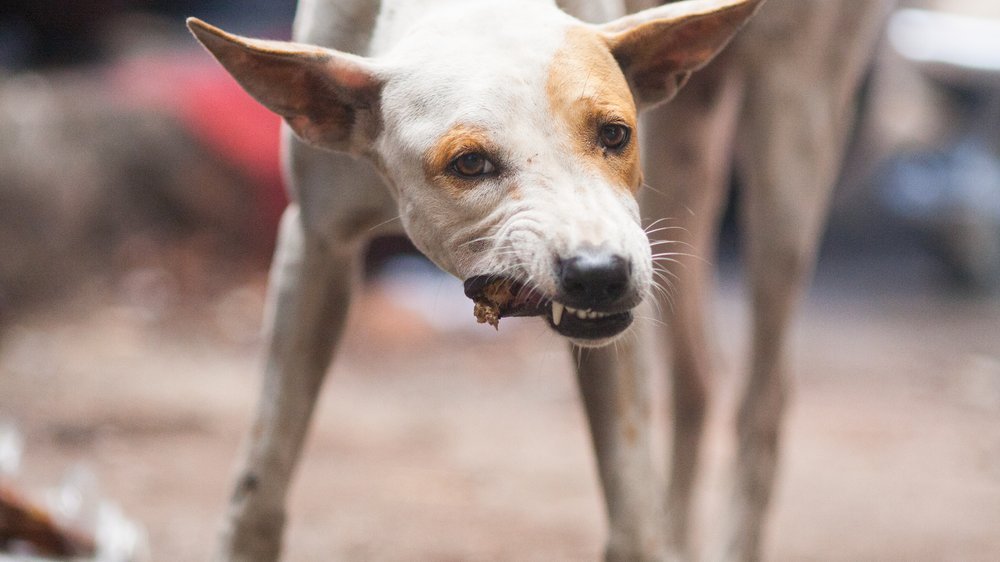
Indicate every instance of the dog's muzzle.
{"type": "Point", "coordinates": [594, 299]}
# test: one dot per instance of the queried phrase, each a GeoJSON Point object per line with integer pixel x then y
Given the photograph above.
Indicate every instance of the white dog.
{"type": "Point", "coordinates": [503, 135]}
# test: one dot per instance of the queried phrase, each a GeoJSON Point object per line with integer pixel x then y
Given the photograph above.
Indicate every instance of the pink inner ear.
{"type": "Point", "coordinates": [321, 93]}
{"type": "Point", "coordinates": [353, 78]}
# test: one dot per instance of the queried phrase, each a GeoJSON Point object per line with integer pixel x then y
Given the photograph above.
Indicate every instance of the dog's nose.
{"type": "Point", "coordinates": [594, 278]}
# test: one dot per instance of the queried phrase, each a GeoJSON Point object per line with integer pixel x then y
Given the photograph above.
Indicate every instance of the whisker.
{"type": "Point", "coordinates": [661, 265]}
{"type": "Point", "coordinates": [655, 243]}
{"type": "Point", "coordinates": [480, 239]}
{"type": "Point", "coordinates": [665, 228]}
{"type": "Point", "coordinates": [652, 298]}
{"type": "Point", "coordinates": [654, 223]}
{"type": "Point", "coordinates": [664, 287]}
{"type": "Point", "coordinates": [383, 223]}
{"type": "Point", "coordinates": [655, 321]}
{"type": "Point", "coordinates": [671, 258]}
{"type": "Point", "coordinates": [653, 189]}
{"type": "Point", "coordinates": [663, 292]}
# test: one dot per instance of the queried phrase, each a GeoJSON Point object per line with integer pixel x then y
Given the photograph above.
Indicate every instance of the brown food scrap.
{"type": "Point", "coordinates": [495, 296]}
{"type": "Point", "coordinates": [487, 313]}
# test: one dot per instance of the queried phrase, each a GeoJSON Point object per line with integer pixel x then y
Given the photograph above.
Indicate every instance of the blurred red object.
{"type": "Point", "coordinates": [217, 112]}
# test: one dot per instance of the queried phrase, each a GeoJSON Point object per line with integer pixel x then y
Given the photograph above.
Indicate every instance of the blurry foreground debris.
{"type": "Point", "coordinates": [72, 523]}
{"type": "Point", "coordinates": [26, 528]}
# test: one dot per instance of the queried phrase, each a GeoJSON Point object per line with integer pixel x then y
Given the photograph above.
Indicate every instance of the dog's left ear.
{"type": "Point", "coordinates": [659, 48]}
{"type": "Point", "coordinates": [329, 98]}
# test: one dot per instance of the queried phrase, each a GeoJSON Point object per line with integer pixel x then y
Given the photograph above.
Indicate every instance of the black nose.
{"type": "Point", "coordinates": [594, 279]}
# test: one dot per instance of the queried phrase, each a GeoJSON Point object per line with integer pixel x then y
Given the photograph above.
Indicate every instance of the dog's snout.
{"type": "Point", "coordinates": [594, 279]}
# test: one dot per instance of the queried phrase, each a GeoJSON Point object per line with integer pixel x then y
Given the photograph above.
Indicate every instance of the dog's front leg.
{"type": "Point", "coordinates": [307, 304]}
{"type": "Point", "coordinates": [615, 390]}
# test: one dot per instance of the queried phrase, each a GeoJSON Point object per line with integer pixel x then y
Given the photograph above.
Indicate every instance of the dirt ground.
{"type": "Point", "coordinates": [440, 440]}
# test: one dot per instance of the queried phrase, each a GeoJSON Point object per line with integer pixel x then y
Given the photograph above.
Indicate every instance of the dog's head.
{"type": "Point", "coordinates": [507, 133]}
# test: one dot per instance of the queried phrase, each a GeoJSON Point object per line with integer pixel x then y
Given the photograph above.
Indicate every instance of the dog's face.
{"type": "Point", "coordinates": [514, 157]}
{"type": "Point", "coordinates": [507, 132]}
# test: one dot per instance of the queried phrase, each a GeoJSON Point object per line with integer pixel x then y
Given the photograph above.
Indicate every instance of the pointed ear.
{"type": "Point", "coordinates": [329, 98]}
{"type": "Point", "coordinates": [659, 48]}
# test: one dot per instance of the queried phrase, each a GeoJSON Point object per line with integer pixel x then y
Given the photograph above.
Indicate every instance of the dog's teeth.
{"type": "Point", "coordinates": [583, 314]}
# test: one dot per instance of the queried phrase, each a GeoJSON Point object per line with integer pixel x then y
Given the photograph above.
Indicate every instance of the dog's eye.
{"type": "Point", "coordinates": [614, 136]}
{"type": "Point", "coordinates": [472, 165]}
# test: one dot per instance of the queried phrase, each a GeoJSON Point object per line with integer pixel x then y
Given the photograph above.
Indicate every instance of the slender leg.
{"type": "Point", "coordinates": [791, 143]}
{"type": "Point", "coordinates": [615, 390]}
{"type": "Point", "coordinates": [689, 176]}
{"type": "Point", "coordinates": [307, 304]}
{"type": "Point", "coordinates": [782, 223]}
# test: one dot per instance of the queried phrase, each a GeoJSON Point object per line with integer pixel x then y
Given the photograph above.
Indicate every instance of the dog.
{"type": "Point", "coordinates": [502, 137]}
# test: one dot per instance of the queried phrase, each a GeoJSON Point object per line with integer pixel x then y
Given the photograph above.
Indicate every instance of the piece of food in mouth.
{"type": "Point", "coordinates": [495, 296]}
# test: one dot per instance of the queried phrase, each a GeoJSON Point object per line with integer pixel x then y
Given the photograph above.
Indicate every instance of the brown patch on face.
{"type": "Point", "coordinates": [461, 139]}
{"type": "Point", "coordinates": [587, 90]}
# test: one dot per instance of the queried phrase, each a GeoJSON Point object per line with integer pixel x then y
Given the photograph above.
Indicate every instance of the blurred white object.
{"type": "Point", "coordinates": [953, 39]}
{"type": "Point", "coordinates": [11, 448]}
{"type": "Point", "coordinates": [78, 504]}
{"type": "Point", "coordinates": [119, 539]}
{"type": "Point", "coordinates": [74, 503]}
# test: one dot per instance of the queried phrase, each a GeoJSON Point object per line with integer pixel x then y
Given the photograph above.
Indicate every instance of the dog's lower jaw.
{"type": "Point", "coordinates": [593, 344]}
{"type": "Point", "coordinates": [588, 328]}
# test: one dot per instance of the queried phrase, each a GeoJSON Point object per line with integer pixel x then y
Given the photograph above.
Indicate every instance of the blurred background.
{"type": "Point", "coordinates": [139, 195]}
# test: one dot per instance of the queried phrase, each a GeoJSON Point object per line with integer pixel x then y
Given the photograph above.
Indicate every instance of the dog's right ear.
{"type": "Point", "coordinates": [328, 98]}
{"type": "Point", "coordinates": [660, 47]}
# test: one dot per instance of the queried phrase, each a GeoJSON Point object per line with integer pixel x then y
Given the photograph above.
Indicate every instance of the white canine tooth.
{"type": "Point", "coordinates": [557, 312]}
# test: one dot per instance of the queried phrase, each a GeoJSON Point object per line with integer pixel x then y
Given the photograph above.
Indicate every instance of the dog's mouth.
{"type": "Point", "coordinates": [502, 297]}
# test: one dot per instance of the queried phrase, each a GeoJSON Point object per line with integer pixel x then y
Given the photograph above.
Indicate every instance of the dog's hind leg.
{"type": "Point", "coordinates": [688, 175]}
{"type": "Point", "coordinates": [798, 111]}
{"type": "Point", "coordinates": [307, 303]}
{"type": "Point", "coordinates": [615, 390]}
{"type": "Point", "coordinates": [786, 183]}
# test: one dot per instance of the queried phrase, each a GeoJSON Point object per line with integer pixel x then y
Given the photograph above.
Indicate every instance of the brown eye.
{"type": "Point", "coordinates": [472, 165]}
{"type": "Point", "coordinates": [614, 136]}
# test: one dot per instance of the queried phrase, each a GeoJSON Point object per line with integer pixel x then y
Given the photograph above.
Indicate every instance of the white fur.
{"type": "Point", "coordinates": [485, 63]}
